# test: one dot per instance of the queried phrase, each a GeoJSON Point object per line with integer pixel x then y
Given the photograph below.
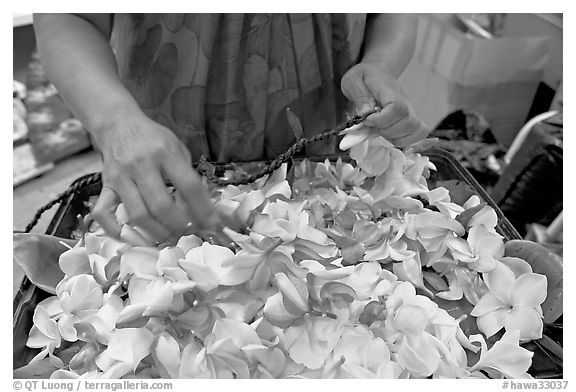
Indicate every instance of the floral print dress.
{"type": "Point", "coordinates": [222, 82]}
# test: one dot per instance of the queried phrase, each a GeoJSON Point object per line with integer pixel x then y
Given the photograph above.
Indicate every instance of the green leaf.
{"type": "Point", "coordinates": [37, 369]}
{"type": "Point", "coordinates": [37, 255]}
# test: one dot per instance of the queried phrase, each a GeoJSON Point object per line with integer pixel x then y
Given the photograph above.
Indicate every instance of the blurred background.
{"type": "Point", "coordinates": [489, 85]}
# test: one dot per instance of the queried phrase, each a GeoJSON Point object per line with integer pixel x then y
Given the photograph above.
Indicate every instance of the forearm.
{"type": "Point", "coordinates": [390, 40]}
{"type": "Point", "coordinates": [80, 62]}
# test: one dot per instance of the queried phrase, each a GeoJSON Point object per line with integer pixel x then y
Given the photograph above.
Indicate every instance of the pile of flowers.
{"type": "Point", "coordinates": [349, 272]}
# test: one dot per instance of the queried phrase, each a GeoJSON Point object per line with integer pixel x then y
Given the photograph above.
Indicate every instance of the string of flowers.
{"type": "Point", "coordinates": [353, 271]}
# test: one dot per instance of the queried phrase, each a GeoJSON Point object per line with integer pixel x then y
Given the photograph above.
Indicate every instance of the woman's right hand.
{"type": "Point", "coordinates": [139, 156]}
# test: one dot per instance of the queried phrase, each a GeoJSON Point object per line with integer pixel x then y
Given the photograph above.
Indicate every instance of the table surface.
{"type": "Point", "coordinates": [30, 196]}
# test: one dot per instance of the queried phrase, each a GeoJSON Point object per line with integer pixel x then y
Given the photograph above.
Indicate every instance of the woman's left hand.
{"type": "Point", "coordinates": [368, 85]}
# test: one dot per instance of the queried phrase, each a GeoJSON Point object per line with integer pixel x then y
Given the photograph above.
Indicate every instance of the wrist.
{"type": "Point", "coordinates": [111, 121]}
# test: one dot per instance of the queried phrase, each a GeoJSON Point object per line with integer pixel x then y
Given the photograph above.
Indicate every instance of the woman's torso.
{"type": "Point", "coordinates": [222, 82]}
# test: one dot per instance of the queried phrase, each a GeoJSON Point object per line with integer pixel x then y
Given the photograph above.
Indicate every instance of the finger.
{"type": "Point", "coordinates": [160, 204]}
{"type": "Point", "coordinates": [402, 128]}
{"type": "Point", "coordinates": [104, 210]}
{"type": "Point", "coordinates": [410, 139]}
{"type": "Point", "coordinates": [354, 88]}
{"type": "Point", "coordinates": [189, 184]}
{"type": "Point", "coordinates": [137, 211]}
{"type": "Point", "coordinates": [392, 112]}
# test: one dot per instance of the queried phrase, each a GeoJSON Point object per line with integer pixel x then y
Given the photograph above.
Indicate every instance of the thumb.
{"type": "Point", "coordinates": [354, 88]}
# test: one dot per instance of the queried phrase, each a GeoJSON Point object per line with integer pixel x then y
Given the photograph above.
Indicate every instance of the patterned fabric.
{"type": "Point", "coordinates": [222, 82]}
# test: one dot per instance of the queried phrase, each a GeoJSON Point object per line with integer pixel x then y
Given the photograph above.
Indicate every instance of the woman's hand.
{"type": "Point", "coordinates": [140, 155]}
{"type": "Point", "coordinates": [368, 85]}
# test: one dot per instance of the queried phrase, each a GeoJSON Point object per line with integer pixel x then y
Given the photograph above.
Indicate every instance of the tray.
{"type": "Point", "coordinates": [450, 174]}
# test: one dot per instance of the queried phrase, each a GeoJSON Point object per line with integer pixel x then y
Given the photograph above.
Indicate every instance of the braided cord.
{"type": "Point", "coordinates": [285, 156]}
{"type": "Point", "coordinates": [90, 179]}
{"type": "Point", "coordinates": [95, 178]}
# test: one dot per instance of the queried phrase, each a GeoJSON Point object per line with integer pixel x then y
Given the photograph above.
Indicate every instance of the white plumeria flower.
{"type": "Point", "coordinates": [512, 302]}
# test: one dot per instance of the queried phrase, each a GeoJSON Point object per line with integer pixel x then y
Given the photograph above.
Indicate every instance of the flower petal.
{"type": "Point", "coordinates": [66, 327]}
{"type": "Point", "coordinates": [118, 370]}
{"type": "Point", "coordinates": [282, 188]}
{"type": "Point", "coordinates": [518, 266]}
{"type": "Point", "coordinates": [500, 282]}
{"type": "Point", "coordinates": [160, 296]}
{"type": "Point", "coordinates": [168, 258]}
{"type": "Point", "coordinates": [129, 345]}
{"type": "Point", "coordinates": [354, 137]}
{"type": "Point", "coordinates": [188, 242]}
{"type": "Point", "coordinates": [203, 275]}
{"type": "Point", "coordinates": [141, 261]}
{"type": "Point", "coordinates": [488, 303]}
{"type": "Point", "coordinates": [241, 333]}
{"type": "Point", "coordinates": [74, 262]}
{"type": "Point", "coordinates": [526, 320]}
{"type": "Point", "coordinates": [493, 322]}
{"type": "Point", "coordinates": [473, 201]}
{"type": "Point", "coordinates": [168, 354]}
{"type": "Point", "coordinates": [275, 310]}
{"type": "Point", "coordinates": [249, 203]}
{"type": "Point", "coordinates": [410, 319]}
{"type": "Point", "coordinates": [419, 356]}
{"type": "Point", "coordinates": [312, 342]}
{"type": "Point", "coordinates": [486, 217]}
{"type": "Point", "coordinates": [44, 323]}
{"type": "Point", "coordinates": [487, 246]}
{"type": "Point", "coordinates": [131, 312]}
{"type": "Point", "coordinates": [507, 357]}
{"type": "Point", "coordinates": [295, 298]}
{"type": "Point", "coordinates": [36, 339]}
{"type": "Point", "coordinates": [530, 290]}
